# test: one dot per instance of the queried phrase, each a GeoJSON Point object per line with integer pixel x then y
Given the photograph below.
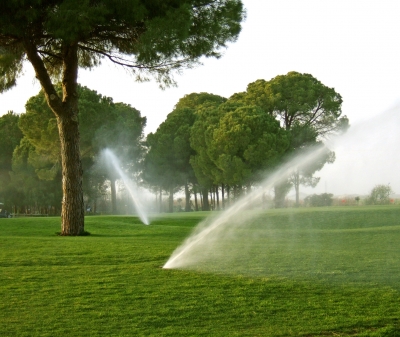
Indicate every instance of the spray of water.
{"type": "Point", "coordinates": [207, 233]}
{"type": "Point", "coordinates": [131, 187]}
{"type": "Point", "coordinates": [223, 237]}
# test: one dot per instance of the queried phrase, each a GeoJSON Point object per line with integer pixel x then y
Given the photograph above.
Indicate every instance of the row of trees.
{"type": "Point", "coordinates": [212, 144]}
{"type": "Point", "coordinates": [30, 160]}
{"type": "Point", "coordinates": [206, 144]}
{"type": "Point", "coordinates": [379, 195]}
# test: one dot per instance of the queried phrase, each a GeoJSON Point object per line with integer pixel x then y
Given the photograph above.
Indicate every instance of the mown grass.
{"type": "Point", "coordinates": [320, 272]}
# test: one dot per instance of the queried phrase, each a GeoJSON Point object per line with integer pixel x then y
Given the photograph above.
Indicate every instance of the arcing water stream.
{"type": "Point", "coordinates": [216, 237]}
{"type": "Point", "coordinates": [133, 190]}
{"type": "Point", "coordinates": [207, 233]}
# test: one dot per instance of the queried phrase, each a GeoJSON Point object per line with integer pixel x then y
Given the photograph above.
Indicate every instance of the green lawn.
{"type": "Point", "coordinates": [305, 272]}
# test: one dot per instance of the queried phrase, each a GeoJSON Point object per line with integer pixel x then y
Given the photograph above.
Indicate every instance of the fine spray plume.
{"type": "Point", "coordinates": [136, 194]}
{"type": "Point", "coordinates": [366, 155]}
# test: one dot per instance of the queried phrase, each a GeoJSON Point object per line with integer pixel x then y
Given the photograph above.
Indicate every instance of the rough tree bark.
{"type": "Point", "coordinates": [66, 112]}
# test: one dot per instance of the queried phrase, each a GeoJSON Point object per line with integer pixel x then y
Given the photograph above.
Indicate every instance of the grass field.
{"type": "Point", "coordinates": [311, 272]}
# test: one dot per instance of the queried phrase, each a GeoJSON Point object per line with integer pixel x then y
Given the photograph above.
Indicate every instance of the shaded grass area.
{"type": "Point", "coordinates": [111, 283]}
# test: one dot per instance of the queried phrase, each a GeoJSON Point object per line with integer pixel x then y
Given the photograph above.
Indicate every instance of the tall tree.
{"type": "Point", "coordinates": [169, 154]}
{"type": "Point", "coordinates": [10, 136]}
{"type": "Point", "coordinates": [34, 185]}
{"type": "Point", "coordinates": [207, 118]}
{"type": "Point", "coordinates": [200, 103]}
{"type": "Point", "coordinates": [148, 36]}
{"type": "Point", "coordinates": [103, 123]}
{"type": "Point", "coordinates": [300, 99]}
{"type": "Point", "coordinates": [246, 142]}
{"type": "Point", "coordinates": [306, 108]}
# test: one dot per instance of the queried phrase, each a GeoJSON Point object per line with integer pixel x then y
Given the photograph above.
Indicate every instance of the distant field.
{"type": "Point", "coordinates": [305, 272]}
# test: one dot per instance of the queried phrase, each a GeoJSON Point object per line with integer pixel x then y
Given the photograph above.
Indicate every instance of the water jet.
{"type": "Point", "coordinates": [133, 190]}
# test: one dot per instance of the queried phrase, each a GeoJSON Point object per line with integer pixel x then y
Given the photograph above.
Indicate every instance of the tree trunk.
{"type": "Point", "coordinates": [196, 204]}
{"type": "Point", "coordinates": [217, 195]}
{"type": "Point", "coordinates": [171, 200]}
{"type": "Point", "coordinates": [113, 196]}
{"type": "Point", "coordinates": [297, 187]}
{"type": "Point", "coordinates": [66, 112]}
{"type": "Point", "coordinates": [161, 207]}
{"type": "Point", "coordinates": [72, 213]}
{"type": "Point", "coordinates": [187, 197]}
{"type": "Point", "coordinates": [223, 195]}
{"type": "Point", "coordinates": [205, 205]}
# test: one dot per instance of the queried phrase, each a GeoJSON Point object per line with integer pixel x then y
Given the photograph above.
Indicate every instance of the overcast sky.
{"type": "Point", "coordinates": [352, 46]}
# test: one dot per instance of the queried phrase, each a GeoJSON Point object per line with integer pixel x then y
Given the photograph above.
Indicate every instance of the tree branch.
{"type": "Point", "coordinates": [43, 76]}
{"type": "Point", "coordinates": [129, 64]}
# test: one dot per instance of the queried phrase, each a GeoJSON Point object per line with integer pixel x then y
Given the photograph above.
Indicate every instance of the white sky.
{"type": "Point", "coordinates": [352, 46]}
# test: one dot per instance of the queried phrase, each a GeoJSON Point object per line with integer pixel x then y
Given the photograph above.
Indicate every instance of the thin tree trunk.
{"type": "Point", "coordinates": [205, 205]}
{"type": "Point", "coordinates": [161, 208]}
{"type": "Point", "coordinates": [223, 195]}
{"type": "Point", "coordinates": [187, 197]}
{"type": "Point", "coordinates": [297, 187]}
{"type": "Point", "coordinates": [113, 196]}
{"type": "Point", "coordinates": [217, 194]}
{"type": "Point", "coordinates": [171, 200]}
{"type": "Point", "coordinates": [196, 205]}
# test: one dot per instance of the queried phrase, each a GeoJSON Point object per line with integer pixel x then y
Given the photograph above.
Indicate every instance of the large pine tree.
{"type": "Point", "coordinates": [151, 37]}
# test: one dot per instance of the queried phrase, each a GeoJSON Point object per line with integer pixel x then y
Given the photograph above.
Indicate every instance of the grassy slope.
{"type": "Point", "coordinates": [111, 283]}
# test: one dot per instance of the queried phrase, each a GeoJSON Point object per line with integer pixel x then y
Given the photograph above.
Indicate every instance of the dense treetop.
{"type": "Point", "coordinates": [145, 35]}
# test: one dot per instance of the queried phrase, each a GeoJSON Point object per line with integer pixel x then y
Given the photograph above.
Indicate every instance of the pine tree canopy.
{"type": "Point", "coordinates": [151, 37]}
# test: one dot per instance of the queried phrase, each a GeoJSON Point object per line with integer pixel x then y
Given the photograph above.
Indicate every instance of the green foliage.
{"type": "Point", "coordinates": [26, 187]}
{"type": "Point", "coordinates": [10, 68]}
{"type": "Point", "coordinates": [332, 272]}
{"type": "Point", "coordinates": [207, 119]}
{"type": "Point", "coordinates": [103, 123]}
{"type": "Point", "coordinates": [167, 161]}
{"type": "Point", "coordinates": [380, 195]}
{"type": "Point", "coordinates": [299, 98]}
{"type": "Point", "coordinates": [148, 37]}
{"type": "Point", "coordinates": [10, 136]}
{"type": "Point", "coordinates": [245, 142]}
{"type": "Point", "coordinates": [318, 200]}
{"type": "Point", "coordinates": [306, 108]}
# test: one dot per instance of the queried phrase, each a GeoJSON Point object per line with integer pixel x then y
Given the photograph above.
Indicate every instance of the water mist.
{"type": "Point", "coordinates": [221, 242]}
{"type": "Point", "coordinates": [207, 234]}
{"type": "Point", "coordinates": [133, 190]}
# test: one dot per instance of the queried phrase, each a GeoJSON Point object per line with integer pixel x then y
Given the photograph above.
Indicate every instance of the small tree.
{"type": "Point", "coordinates": [379, 195]}
{"type": "Point", "coordinates": [306, 108]}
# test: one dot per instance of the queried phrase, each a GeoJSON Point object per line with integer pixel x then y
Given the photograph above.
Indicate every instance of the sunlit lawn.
{"type": "Point", "coordinates": [311, 272]}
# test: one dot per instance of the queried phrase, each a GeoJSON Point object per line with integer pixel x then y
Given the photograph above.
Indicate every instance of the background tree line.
{"type": "Point", "coordinates": [30, 157]}
{"type": "Point", "coordinates": [210, 147]}
{"type": "Point", "coordinates": [217, 148]}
